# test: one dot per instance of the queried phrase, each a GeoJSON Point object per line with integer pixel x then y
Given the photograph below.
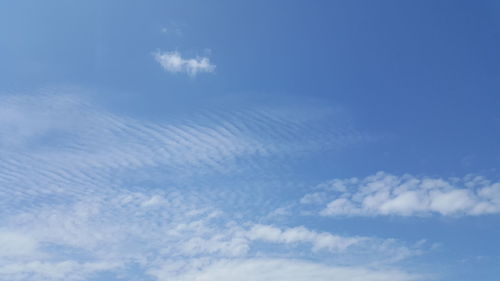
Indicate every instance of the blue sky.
{"type": "Point", "coordinates": [249, 140]}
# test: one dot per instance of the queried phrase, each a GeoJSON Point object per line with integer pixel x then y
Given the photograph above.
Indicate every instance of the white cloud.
{"type": "Point", "coordinates": [407, 195]}
{"type": "Point", "coordinates": [107, 232]}
{"type": "Point", "coordinates": [77, 201]}
{"type": "Point", "coordinates": [71, 145]}
{"type": "Point", "coordinates": [173, 62]}
{"type": "Point", "coordinates": [48, 271]}
{"type": "Point", "coordinates": [110, 230]}
{"type": "Point", "coordinates": [302, 235]}
{"type": "Point", "coordinates": [277, 270]}
{"type": "Point", "coordinates": [14, 244]}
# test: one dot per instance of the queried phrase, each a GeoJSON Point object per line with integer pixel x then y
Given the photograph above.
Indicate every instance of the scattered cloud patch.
{"type": "Point", "coordinates": [173, 62]}
{"type": "Point", "coordinates": [384, 194]}
{"type": "Point", "coordinates": [112, 230]}
{"type": "Point", "coordinates": [87, 194]}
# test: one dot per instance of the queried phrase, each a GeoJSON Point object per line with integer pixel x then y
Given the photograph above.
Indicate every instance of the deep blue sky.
{"type": "Point", "coordinates": [300, 94]}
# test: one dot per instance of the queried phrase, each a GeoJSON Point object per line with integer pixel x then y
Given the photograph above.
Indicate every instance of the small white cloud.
{"type": "Point", "coordinates": [173, 62]}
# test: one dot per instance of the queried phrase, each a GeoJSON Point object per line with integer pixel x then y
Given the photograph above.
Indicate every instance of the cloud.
{"type": "Point", "coordinates": [46, 271]}
{"type": "Point", "coordinates": [114, 230]}
{"type": "Point", "coordinates": [302, 235]}
{"type": "Point", "coordinates": [87, 193]}
{"type": "Point", "coordinates": [278, 270]}
{"type": "Point", "coordinates": [174, 63]}
{"type": "Point", "coordinates": [384, 194]}
{"type": "Point", "coordinates": [16, 244]}
{"type": "Point", "coordinates": [72, 145]}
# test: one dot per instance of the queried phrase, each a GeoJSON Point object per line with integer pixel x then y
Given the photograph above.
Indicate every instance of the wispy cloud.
{"type": "Point", "coordinates": [173, 62]}
{"type": "Point", "coordinates": [73, 146]}
{"type": "Point", "coordinates": [258, 269]}
{"type": "Point", "coordinates": [84, 191]}
{"type": "Point", "coordinates": [384, 194]}
{"type": "Point", "coordinates": [302, 235]}
{"type": "Point", "coordinates": [47, 270]}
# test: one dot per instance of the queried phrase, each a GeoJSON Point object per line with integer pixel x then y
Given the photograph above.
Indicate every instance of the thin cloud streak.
{"type": "Point", "coordinates": [277, 270]}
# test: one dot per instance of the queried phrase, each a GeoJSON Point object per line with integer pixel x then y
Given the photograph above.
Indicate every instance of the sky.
{"type": "Point", "coordinates": [249, 140]}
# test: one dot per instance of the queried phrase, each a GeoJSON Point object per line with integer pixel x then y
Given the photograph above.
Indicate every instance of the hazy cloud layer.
{"type": "Point", "coordinates": [279, 270]}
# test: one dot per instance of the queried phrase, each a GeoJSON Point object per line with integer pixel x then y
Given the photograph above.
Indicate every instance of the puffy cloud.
{"type": "Point", "coordinates": [173, 62]}
{"type": "Point", "coordinates": [407, 195]}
